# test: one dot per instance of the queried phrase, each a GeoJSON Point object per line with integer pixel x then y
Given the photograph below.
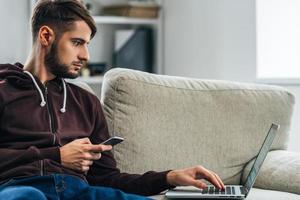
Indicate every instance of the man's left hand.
{"type": "Point", "coordinates": [192, 177]}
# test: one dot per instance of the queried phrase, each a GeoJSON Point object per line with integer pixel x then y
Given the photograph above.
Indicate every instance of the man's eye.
{"type": "Point", "coordinates": [76, 43]}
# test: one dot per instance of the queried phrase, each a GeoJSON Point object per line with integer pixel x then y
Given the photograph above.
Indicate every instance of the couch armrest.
{"type": "Point", "coordinates": [280, 171]}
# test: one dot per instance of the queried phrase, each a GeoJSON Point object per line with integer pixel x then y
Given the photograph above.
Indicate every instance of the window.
{"type": "Point", "coordinates": [278, 39]}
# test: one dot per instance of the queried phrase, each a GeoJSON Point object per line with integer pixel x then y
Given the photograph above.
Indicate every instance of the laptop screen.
{"type": "Point", "coordinates": [260, 157]}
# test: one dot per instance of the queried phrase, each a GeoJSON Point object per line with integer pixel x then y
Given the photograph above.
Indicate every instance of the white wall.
{"type": "Point", "coordinates": [215, 39]}
{"type": "Point", "coordinates": [14, 34]}
{"type": "Point", "coordinates": [210, 38]}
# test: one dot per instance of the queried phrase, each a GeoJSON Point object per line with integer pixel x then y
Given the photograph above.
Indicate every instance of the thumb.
{"type": "Point", "coordinates": [100, 147]}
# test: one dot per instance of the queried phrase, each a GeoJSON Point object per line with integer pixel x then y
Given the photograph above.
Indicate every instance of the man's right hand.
{"type": "Point", "coordinates": [80, 154]}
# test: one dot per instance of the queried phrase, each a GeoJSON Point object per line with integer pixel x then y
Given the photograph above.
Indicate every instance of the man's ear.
{"type": "Point", "coordinates": [46, 36]}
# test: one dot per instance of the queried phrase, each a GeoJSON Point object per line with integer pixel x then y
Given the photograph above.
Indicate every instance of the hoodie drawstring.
{"type": "Point", "coordinates": [63, 109]}
{"type": "Point", "coordinates": [43, 102]}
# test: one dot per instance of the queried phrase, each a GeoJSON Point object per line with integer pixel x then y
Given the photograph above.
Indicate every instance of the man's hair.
{"type": "Point", "coordinates": [60, 15]}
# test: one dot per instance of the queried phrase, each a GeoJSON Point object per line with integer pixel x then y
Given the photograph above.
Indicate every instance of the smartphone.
{"type": "Point", "coordinates": [113, 141]}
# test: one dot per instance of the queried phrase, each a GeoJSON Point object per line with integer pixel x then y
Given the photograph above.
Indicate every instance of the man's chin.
{"type": "Point", "coordinates": [68, 75]}
{"type": "Point", "coordinates": [72, 76]}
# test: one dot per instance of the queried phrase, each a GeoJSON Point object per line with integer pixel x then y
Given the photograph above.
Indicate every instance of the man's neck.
{"type": "Point", "coordinates": [36, 65]}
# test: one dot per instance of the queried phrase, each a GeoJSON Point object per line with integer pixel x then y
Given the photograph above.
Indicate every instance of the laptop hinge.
{"type": "Point", "coordinates": [244, 191]}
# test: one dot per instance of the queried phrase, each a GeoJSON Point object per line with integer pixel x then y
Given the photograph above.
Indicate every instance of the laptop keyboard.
{"type": "Point", "coordinates": [212, 190]}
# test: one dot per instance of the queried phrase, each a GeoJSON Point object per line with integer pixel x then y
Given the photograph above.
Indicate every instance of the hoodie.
{"type": "Point", "coordinates": [36, 120]}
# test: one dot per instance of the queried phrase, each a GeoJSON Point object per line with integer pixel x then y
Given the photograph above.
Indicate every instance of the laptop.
{"type": "Point", "coordinates": [231, 191]}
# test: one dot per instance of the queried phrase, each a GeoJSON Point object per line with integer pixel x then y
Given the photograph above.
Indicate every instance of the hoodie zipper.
{"type": "Point", "coordinates": [50, 114]}
{"type": "Point", "coordinates": [51, 125]}
{"type": "Point", "coordinates": [42, 167]}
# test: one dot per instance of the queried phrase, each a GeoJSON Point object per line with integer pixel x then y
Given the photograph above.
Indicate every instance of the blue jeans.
{"type": "Point", "coordinates": [59, 187]}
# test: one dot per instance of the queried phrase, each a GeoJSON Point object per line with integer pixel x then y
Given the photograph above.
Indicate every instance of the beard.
{"type": "Point", "coordinates": [55, 66]}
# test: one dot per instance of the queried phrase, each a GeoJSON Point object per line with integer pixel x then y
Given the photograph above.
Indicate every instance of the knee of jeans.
{"type": "Point", "coordinates": [21, 193]}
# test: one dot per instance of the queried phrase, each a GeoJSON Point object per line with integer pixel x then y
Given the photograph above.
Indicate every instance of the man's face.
{"type": "Point", "coordinates": [70, 53]}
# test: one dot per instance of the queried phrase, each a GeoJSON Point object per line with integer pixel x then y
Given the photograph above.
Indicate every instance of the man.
{"type": "Point", "coordinates": [51, 130]}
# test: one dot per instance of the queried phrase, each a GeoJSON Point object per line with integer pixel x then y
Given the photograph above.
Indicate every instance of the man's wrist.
{"type": "Point", "coordinates": [171, 178]}
{"type": "Point", "coordinates": [52, 153]}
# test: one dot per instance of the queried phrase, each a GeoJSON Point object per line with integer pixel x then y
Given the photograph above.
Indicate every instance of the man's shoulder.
{"type": "Point", "coordinates": [5, 70]}
{"type": "Point", "coordinates": [9, 66]}
{"type": "Point", "coordinates": [8, 69]}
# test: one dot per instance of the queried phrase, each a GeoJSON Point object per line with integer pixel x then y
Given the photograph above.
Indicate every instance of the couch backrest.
{"type": "Point", "coordinates": [81, 84]}
{"type": "Point", "coordinates": [174, 122]}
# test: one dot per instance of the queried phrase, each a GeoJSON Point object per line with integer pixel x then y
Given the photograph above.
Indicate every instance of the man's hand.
{"type": "Point", "coordinates": [80, 154]}
{"type": "Point", "coordinates": [192, 177]}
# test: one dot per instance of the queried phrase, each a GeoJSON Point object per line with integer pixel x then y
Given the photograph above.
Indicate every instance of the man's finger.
{"type": "Point", "coordinates": [95, 156]}
{"type": "Point", "coordinates": [99, 148]}
{"type": "Point", "coordinates": [198, 184]}
{"type": "Point", "coordinates": [219, 179]}
{"type": "Point", "coordinates": [91, 156]}
{"type": "Point", "coordinates": [209, 176]}
{"type": "Point", "coordinates": [87, 162]}
{"type": "Point", "coordinates": [85, 168]}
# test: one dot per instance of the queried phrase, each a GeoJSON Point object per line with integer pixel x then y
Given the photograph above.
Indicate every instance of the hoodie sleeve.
{"type": "Point", "coordinates": [105, 173]}
{"type": "Point", "coordinates": [11, 158]}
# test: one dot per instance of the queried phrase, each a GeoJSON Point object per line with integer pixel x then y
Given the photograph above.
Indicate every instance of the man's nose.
{"type": "Point", "coordinates": [84, 54]}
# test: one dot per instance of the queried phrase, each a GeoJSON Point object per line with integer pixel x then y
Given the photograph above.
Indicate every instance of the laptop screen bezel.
{"type": "Point", "coordinates": [268, 141]}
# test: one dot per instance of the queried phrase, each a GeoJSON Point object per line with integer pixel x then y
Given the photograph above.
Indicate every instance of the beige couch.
{"type": "Point", "coordinates": [174, 122]}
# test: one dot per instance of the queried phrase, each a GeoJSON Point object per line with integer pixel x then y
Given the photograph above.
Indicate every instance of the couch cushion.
{"type": "Point", "coordinates": [280, 171]}
{"type": "Point", "coordinates": [174, 122]}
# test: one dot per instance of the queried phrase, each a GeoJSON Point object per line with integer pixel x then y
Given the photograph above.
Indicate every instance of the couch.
{"type": "Point", "coordinates": [175, 122]}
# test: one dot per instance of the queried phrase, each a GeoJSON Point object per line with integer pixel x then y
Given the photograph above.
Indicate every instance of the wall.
{"type": "Point", "coordinates": [215, 39]}
{"type": "Point", "coordinates": [14, 34]}
{"type": "Point", "coordinates": [210, 38]}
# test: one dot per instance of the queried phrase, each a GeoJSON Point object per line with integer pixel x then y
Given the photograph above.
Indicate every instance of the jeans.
{"type": "Point", "coordinates": [21, 193]}
{"type": "Point", "coordinates": [59, 187]}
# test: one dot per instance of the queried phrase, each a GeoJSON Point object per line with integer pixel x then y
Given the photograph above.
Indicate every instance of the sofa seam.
{"type": "Point", "coordinates": [208, 90]}
{"type": "Point", "coordinates": [115, 87]}
{"type": "Point", "coordinates": [115, 100]}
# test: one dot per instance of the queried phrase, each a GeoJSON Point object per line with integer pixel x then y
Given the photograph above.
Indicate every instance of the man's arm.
{"type": "Point", "coordinates": [150, 183]}
{"type": "Point", "coordinates": [11, 158]}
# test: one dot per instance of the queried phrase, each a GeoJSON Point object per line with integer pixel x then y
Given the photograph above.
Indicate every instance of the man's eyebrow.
{"type": "Point", "coordinates": [82, 41]}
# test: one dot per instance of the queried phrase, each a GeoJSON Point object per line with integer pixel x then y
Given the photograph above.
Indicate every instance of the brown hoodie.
{"type": "Point", "coordinates": [37, 119]}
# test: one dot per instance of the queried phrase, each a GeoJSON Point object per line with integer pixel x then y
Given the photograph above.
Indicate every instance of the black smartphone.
{"type": "Point", "coordinates": [113, 141]}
